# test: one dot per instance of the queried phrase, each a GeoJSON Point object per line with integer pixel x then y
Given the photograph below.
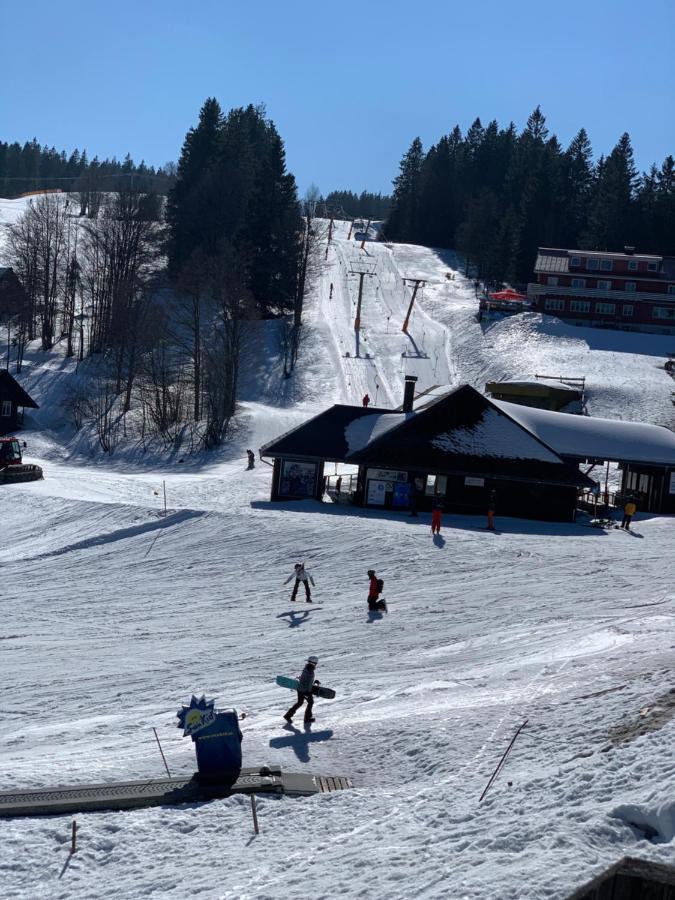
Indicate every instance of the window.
{"type": "Point", "coordinates": [580, 305]}
{"type": "Point", "coordinates": [632, 265]}
{"type": "Point", "coordinates": [551, 303]}
{"type": "Point", "coordinates": [606, 265]}
{"type": "Point", "coordinates": [604, 285]}
{"type": "Point", "coordinates": [6, 408]}
{"type": "Point", "coordinates": [578, 282]}
{"type": "Point", "coordinates": [652, 267]}
{"type": "Point", "coordinates": [575, 260]}
{"type": "Point", "coordinates": [663, 312]}
{"type": "Point", "coordinates": [593, 264]}
{"type": "Point", "coordinates": [627, 309]}
{"type": "Point", "coordinates": [436, 484]}
{"type": "Point", "coordinates": [552, 280]}
{"type": "Point", "coordinates": [607, 309]}
{"type": "Point", "coordinates": [629, 286]}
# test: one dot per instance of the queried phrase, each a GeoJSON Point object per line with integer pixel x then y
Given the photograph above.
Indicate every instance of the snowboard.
{"type": "Point", "coordinates": [318, 690]}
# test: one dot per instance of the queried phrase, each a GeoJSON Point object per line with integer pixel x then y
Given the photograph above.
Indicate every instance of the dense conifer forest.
{"type": "Point", "coordinates": [32, 167]}
{"type": "Point", "coordinates": [496, 195]}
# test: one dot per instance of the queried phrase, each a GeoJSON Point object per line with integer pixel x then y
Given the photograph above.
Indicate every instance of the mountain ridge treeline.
{"type": "Point", "coordinates": [32, 167]}
{"type": "Point", "coordinates": [497, 195]}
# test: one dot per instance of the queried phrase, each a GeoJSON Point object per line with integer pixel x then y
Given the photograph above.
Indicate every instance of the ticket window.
{"type": "Point", "coordinates": [436, 484]}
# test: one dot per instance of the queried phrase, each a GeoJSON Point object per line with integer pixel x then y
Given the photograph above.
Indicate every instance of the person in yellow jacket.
{"type": "Point", "coordinates": [628, 513]}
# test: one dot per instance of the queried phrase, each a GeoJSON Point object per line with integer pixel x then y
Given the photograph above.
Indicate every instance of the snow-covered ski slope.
{"type": "Point", "coordinates": [112, 615]}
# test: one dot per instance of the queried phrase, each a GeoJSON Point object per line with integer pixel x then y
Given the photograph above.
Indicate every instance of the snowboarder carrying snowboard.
{"type": "Point", "coordinates": [301, 575]}
{"type": "Point", "coordinates": [306, 682]}
{"type": "Point", "coordinates": [375, 588]}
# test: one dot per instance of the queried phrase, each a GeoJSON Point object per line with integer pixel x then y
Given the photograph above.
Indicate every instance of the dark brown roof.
{"type": "Point", "coordinates": [10, 389]}
{"type": "Point", "coordinates": [325, 436]}
{"type": "Point", "coordinates": [462, 431]}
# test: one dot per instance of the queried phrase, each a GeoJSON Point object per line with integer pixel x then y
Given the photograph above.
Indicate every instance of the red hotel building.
{"type": "Point", "coordinates": [629, 290]}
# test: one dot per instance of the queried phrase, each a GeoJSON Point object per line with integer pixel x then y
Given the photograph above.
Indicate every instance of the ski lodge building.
{"type": "Point", "coordinates": [13, 399]}
{"type": "Point", "coordinates": [630, 291]}
{"type": "Point", "coordinates": [472, 450]}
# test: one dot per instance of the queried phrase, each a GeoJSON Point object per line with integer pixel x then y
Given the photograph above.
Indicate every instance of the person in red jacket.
{"type": "Point", "coordinates": [366, 400]}
{"type": "Point", "coordinates": [374, 591]}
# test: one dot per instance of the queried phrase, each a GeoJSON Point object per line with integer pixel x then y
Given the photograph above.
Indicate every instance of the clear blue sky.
{"type": "Point", "coordinates": [349, 85]}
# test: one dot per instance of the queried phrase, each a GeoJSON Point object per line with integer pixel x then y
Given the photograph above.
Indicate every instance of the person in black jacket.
{"type": "Point", "coordinates": [306, 682]}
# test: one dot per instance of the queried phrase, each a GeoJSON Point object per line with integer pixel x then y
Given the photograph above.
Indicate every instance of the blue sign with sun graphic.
{"type": "Point", "coordinates": [197, 715]}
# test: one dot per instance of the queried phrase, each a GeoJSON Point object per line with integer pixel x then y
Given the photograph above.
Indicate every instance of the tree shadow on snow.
{"type": "Point", "coordinates": [299, 741]}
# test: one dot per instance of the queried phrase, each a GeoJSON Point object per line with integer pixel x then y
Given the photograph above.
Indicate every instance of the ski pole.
{"type": "Point", "coordinates": [502, 760]}
{"type": "Point", "coordinates": [162, 752]}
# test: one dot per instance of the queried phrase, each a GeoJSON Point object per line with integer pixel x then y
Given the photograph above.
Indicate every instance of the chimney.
{"type": "Point", "coordinates": [629, 251]}
{"type": "Point", "coordinates": [409, 393]}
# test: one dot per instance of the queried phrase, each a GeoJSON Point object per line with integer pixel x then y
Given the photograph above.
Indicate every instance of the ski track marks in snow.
{"type": "Point", "coordinates": [112, 615]}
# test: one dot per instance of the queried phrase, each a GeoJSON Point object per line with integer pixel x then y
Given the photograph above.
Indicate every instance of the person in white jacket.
{"type": "Point", "coordinates": [301, 575]}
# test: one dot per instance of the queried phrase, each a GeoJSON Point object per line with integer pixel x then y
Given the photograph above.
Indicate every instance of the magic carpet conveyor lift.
{"type": "Point", "coordinates": [217, 739]}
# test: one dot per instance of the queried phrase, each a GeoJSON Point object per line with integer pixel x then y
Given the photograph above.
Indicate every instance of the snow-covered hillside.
{"type": "Point", "coordinates": [112, 615]}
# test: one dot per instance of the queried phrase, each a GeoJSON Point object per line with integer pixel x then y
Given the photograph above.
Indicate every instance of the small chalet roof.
{"type": "Point", "coordinates": [10, 389]}
{"type": "Point", "coordinates": [464, 431]}
{"type": "Point", "coordinates": [461, 431]}
{"type": "Point", "coordinates": [607, 254]}
{"type": "Point", "coordinates": [584, 437]}
{"type": "Point", "coordinates": [333, 434]}
{"type": "Point", "coordinates": [540, 387]}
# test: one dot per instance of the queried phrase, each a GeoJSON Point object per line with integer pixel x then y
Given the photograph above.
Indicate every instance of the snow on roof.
{"type": "Point", "coordinates": [491, 436]}
{"type": "Point", "coordinates": [539, 383]}
{"type": "Point", "coordinates": [365, 429]}
{"type": "Point", "coordinates": [589, 438]}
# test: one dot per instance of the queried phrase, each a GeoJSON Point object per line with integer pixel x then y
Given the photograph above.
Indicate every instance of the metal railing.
{"type": "Point", "coordinates": [601, 294]}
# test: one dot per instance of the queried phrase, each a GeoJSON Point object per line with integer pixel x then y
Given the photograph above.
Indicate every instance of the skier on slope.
{"type": "Point", "coordinates": [306, 682]}
{"type": "Point", "coordinates": [301, 575]}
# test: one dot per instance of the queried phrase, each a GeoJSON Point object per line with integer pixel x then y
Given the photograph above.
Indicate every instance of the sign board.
{"type": "Point", "coordinates": [199, 714]}
{"type": "Point", "coordinates": [474, 482]}
{"type": "Point", "coordinates": [376, 491]}
{"type": "Point", "coordinates": [671, 489]}
{"type": "Point", "coordinates": [387, 475]}
{"type": "Point", "coordinates": [401, 498]}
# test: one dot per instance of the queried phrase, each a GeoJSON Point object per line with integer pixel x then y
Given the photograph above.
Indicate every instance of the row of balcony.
{"type": "Point", "coordinates": [536, 290]}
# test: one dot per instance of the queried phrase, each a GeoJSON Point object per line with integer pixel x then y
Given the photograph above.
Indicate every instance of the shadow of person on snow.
{"type": "Point", "coordinates": [295, 619]}
{"type": "Point", "coordinates": [439, 541]}
{"type": "Point", "coordinates": [299, 741]}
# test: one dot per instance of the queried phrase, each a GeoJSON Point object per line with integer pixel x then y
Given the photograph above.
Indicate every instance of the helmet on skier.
{"type": "Point", "coordinates": [313, 660]}
{"type": "Point", "coordinates": [370, 572]}
{"type": "Point", "coordinates": [298, 565]}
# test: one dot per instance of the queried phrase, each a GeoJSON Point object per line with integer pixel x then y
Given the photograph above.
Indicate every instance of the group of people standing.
{"type": "Point", "coordinates": [307, 680]}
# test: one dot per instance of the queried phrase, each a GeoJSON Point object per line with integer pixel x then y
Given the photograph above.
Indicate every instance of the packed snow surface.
{"type": "Point", "coordinates": [112, 614]}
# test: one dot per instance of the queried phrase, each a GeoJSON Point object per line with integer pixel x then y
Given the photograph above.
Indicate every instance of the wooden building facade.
{"type": "Point", "coordinates": [13, 400]}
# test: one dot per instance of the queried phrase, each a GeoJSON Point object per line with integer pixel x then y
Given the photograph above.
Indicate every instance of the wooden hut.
{"type": "Point", "coordinates": [13, 400]}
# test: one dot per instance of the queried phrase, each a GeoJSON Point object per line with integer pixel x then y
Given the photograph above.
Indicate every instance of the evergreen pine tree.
{"type": "Point", "coordinates": [403, 221]}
